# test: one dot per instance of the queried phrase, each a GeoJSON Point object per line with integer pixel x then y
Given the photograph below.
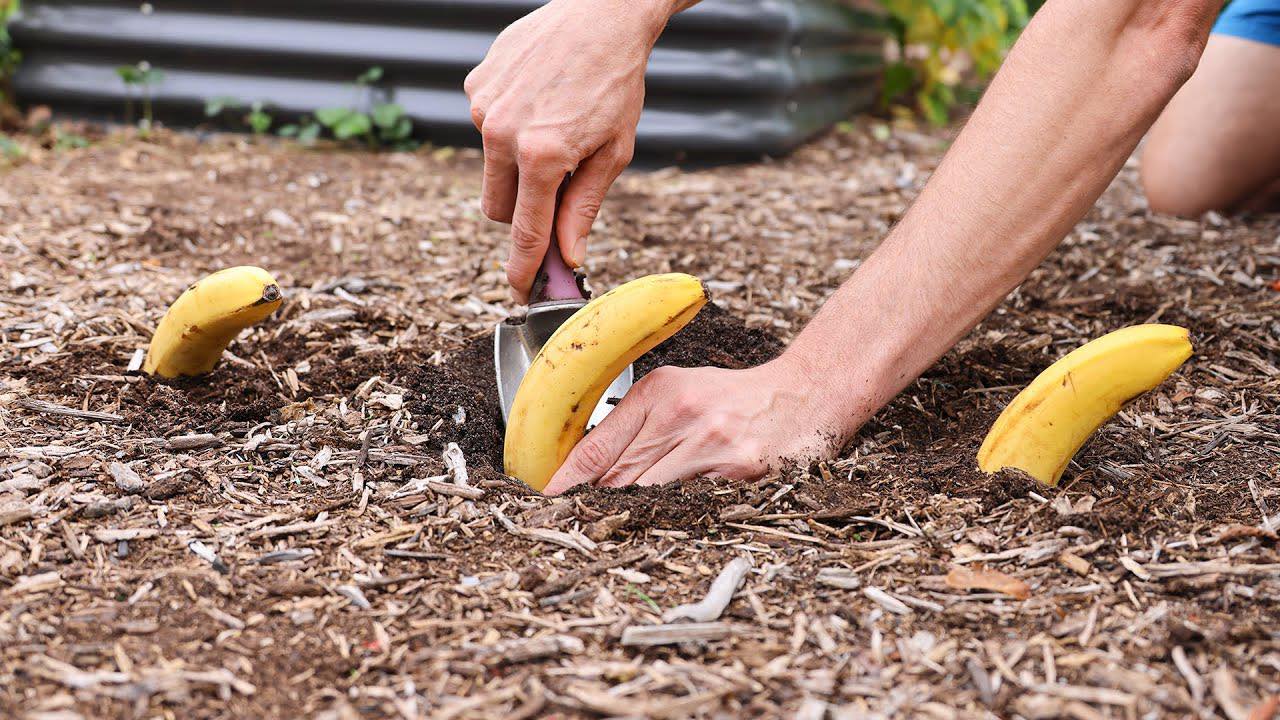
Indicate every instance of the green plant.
{"type": "Point", "coordinates": [68, 140]}
{"type": "Point", "coordinates": [259, 120]}
{"type": "Point", "coordinates": [369, 117]}
{"type": "Point", "coordinates": [933, 35]}
{"type": "Point", "coordinates": [10, 151]}
{"type": "Point", "coordinates": [9, 55]}
{"type": "Point", "coordinates": [139, 79]}
{"type": "Point", "coordinates": [305, 131]}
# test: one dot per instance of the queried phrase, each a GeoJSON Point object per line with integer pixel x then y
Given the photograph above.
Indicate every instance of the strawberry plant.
{"type": "Point", "coordinates": [370, 117]}
{"type": "Point", "coordinates": [937, 39]}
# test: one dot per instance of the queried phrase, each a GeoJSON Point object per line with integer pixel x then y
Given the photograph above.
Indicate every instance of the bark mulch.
{"type": "Point", "coordinates": [320, 528]}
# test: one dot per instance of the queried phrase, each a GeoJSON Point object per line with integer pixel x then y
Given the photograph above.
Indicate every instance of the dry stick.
{"type": "Point", "coordinates": [718, 597]}
{"type": "Point", "coordinates": [49, 408]}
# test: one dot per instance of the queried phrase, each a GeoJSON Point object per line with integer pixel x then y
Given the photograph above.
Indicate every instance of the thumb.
{"type": "Point", "coordinates": [599, 449]}
{"type": "Point", "coordinates": [583, 198]}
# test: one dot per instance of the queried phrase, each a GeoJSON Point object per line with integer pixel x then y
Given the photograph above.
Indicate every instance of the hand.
{"type": "Point", "coordinates": [678, 423]}
{"type": "Point", "coordinates": [560, 91]}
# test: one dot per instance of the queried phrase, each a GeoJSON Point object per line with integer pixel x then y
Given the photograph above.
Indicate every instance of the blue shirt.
{"type": "Point", "coordinates": [1257, 20]}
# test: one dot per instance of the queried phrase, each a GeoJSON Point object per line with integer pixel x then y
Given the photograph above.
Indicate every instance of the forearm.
{"type": "Point", "coordinates": [1075, 96]}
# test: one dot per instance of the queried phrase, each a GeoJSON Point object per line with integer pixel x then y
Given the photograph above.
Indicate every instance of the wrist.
{"type": "Point", "coordinates": [648, 16]}
{"type": "Point", "coordinates": [833, 398]}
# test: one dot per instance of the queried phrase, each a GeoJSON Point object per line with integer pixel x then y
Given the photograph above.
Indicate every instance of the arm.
{"type": "Point", "coordinates": [1073, 99]}
{"type": "Point", "coordinates": [560, 91]}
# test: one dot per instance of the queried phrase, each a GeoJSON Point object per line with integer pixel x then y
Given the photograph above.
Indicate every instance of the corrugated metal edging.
{"type": "Point", "coordinates": [737, 92]}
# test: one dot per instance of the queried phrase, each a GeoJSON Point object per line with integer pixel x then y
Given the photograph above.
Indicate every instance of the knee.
{"type": "Point", "coordinates": [1173, 188]}
{"type": "Point", "coordinates": [1172, 196]}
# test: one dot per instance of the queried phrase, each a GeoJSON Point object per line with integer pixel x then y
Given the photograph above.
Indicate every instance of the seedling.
{"type": "Point", "coordinates": [305, 131]}
{"type": "Point", "coordinates": [68, 141]}
{"type": "Point", "coordinates": [11, 151]}
{"type": "Point", "coordinates": [369, 116]}
{"type": "Point", "coordinates": [139, 79]}
{"type": "Point", "coordinates": [259, 120]}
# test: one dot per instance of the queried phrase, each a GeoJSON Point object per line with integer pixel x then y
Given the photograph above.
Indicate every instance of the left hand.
{"type": "Point", "coordinates": [678, 423]}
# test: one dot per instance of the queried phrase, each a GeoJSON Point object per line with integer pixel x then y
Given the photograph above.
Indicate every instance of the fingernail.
{"type": "Point", "coordinates": [579, 254]}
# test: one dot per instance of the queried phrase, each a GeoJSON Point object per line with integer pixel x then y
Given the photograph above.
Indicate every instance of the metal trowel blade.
{"type": "Point", "coordinates": [516, 343]}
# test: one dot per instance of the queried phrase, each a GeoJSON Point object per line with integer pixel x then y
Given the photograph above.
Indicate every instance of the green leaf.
{"type": "Point", "coordinates": [354, 125]}
{"type": "Point", "coordinates": [935, 111]}
{"type": "Point", "coordinates": [387, 115]}
{"type": "Point", "coordinates": [402, 130]}
{"type": "Point", "coordinates": [213, 107]}
{"type": "Point", "coordinates": [308, 134]}
{"type": "Point", "coordinates": [370, 76]}
{"type": "Point", "coordinates": [130, 74]}
{"type": "Point", "coordinates": [259, 121]}
{"type": "Point", "coordinates": [898, 79]}
{"type": "Point", "coordinates": [288, 131]}
{"type": "Point", "coordinates": [10, 149]}
{"type": "Point", "coordinates": [331, 116]}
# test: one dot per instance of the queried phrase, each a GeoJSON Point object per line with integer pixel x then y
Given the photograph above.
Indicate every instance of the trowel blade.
{"type": "Point", "coordinates": [516, 342]}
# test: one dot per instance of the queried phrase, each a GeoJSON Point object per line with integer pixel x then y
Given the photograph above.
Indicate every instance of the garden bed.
{"type": "Point", "coordinates": [285, 571]}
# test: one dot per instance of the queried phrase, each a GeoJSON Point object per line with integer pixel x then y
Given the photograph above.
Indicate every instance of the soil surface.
{"type": "Point", "coordinates": [264, 541]}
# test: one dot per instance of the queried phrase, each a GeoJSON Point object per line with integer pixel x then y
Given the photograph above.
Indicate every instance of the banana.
{"type": "Point", "coordinates": [1041, 430]}
{"type": "Point", "coordinates": [577, 363]}
{"type": "Point", "coordinates": [207, 317]}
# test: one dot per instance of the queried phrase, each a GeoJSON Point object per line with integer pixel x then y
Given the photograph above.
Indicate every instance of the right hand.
{"type": "Point", "coordinates": [559, 91]}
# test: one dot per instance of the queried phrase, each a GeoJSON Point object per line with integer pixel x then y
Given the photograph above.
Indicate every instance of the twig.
{"type": "Point", "coordinates": [49, 408]}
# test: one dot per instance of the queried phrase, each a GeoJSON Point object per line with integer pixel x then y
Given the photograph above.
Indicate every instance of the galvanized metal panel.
{"type": "Point", "coordinates": [720, 82]}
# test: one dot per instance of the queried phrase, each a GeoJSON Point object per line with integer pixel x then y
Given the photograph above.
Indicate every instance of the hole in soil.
{"type": "Point", "coordinates": [715, 337]}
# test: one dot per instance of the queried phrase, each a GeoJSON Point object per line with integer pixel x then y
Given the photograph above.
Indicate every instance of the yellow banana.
{"type": "Point", "coordinates": [207, 317]}
{"type": "Point", "coordinates": [1041, 430]}
{"type": "Point", "coordinates": [577, 363]}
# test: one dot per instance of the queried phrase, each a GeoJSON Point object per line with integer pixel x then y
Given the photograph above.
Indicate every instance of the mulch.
{"type": "Point", "coordinates": [294, 535]}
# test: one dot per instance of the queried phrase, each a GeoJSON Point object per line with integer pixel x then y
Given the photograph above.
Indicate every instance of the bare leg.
{"type": "Point", "coordinates": [1217, 145]}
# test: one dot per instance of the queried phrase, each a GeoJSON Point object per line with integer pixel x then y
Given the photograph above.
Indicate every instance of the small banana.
{"type": "Point", "coordinates": [577, 363]}
{"type": "Point", "coordinates": [1041, 430]}
{"type": "Point", "coordinates": [207, 317]}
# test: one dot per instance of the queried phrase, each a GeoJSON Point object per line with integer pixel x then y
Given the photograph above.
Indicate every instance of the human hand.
{"type": "Point", "coordinates": [560, 91]}
{"type": "Point", "coordinates": [678, 423]}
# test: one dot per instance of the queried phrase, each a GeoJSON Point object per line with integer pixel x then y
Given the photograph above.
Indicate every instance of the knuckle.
{"type": "Point", "coordinates": [471, 82]}
{"type": "Point", "coordinates": [590, 458]}
{"type": "Point", "coordinates": [525, 240]}
{"type": "Point", "coordinates": [686, 403]}
{"type": "Point", "coordinates": [495, 131]}
{"type": "Point", "coordinates": [588, 206]}
{"type": "Point", "coordinates": [623, 154]}
{"type": "Point", "coordinates": [542, 150]}
{"type": "Point", "coordinates": [494, 210]}
{"type": "Point", "coordinates": [477, 116]}
{"type": "Point", "coordinates": [718, 430]}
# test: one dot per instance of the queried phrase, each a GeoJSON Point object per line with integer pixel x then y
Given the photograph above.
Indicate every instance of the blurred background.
{"type": "Point", "coordinates": [730, 79]}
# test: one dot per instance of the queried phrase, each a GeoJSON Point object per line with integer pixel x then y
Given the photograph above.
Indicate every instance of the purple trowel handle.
{"type": "Point", "coordinates": [555, 279]}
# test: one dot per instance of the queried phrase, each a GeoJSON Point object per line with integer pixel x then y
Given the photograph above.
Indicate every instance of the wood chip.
{"type": "Point", "coordinates": [193, 442]}
{"type": "Point", "coordinates": [981, 578]}
{"type": "Point", "coordinates": [675, 633]}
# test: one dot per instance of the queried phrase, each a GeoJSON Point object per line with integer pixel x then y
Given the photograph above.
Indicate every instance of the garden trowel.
{"type": "Point", "coordinates": [556, 295]}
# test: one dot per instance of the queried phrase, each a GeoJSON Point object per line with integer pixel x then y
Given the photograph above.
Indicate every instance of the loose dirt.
{"type": "Point", "coordinates": [300, 567]}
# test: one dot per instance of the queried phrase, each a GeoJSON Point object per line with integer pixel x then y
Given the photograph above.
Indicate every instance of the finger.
{"type": "Point", "coordinates": [685, 461]}
{"type": "Point", "coordinates": [498, 191]}
{"type": "Point", "coordinates": [584, 196]}
{"type": "Point", "coordinates": [596, 453]}
{"type": "Point", "coordinates": [650, 446]}
{"type": "Point", "coordinates": [531, 220]}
